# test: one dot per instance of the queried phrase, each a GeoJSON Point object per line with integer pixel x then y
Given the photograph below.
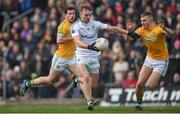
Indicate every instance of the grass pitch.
{"type": "Point", "coordinates": [82, 109]}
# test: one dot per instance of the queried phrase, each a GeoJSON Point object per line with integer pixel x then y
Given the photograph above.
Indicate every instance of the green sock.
{"type": "Point", "coordinates": [88, 68]}
{"type": "Point", "coordinates": [139, 101]}
{"type": "Point", "coordinates": [29, 83]}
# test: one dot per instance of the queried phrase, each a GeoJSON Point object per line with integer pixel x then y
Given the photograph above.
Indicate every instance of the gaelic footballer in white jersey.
{"type": "Point", "coordinates": [88, 33]}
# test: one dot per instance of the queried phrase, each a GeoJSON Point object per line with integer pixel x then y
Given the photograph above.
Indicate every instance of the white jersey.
{"type": "Point", "coordinates": [88, 33]}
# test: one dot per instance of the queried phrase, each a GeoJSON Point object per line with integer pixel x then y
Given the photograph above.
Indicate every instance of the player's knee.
{"type": "Point", "coordinates": [140, 84]}
{"type": "Point", "coordinates": [85, 78]}
{"type": "Point", "coordinates": [150, 86]}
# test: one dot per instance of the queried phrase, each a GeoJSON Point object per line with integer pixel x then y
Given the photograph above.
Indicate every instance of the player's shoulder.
{"type": "Point", "coordinates": [95, 21]}
{"type": "Point", "coordinates": [139, 30]}
{"type": "Point", "coordinates": [63, 23]}
{"type": "Point", "coordinates": [157, 27]}
{"type": "Point", "coordinates": [77, 24]}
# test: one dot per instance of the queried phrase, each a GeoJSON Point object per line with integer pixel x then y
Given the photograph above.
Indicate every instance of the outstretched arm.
{"type": "Point", "coordinates": [117, 29]}
{"type": "Point", "coordinates": [131, 34]}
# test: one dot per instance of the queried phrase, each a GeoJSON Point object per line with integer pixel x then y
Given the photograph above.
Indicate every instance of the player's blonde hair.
{"type": "Point", "coordinates": [85, 6]}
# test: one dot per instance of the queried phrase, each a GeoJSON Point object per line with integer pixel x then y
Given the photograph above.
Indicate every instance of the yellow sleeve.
{"type": "Point", "coordinates": [62, 28]}
{"type": "Point", "coordinates": [139, 31]}
{"type": "Point", "coordinates": [161, 31]}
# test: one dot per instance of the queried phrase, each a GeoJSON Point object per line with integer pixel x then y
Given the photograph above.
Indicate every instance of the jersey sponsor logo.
{"type": "Point", "coordinates": [150, 39]}
{"type": "Point", "coordinates": [84, 34]}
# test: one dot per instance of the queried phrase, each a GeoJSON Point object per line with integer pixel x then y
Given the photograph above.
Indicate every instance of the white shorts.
{"type": "Point", "coordinates": [159, 66]}
{"type": "Point", "coordinates": [92, 63]}
{"type": "Point", "coordinates": [60, 63]}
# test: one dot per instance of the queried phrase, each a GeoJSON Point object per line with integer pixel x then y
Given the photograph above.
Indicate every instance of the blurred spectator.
{"type": "Point", "coordinates": [14, 56]}
{"type": "Point", "coordinates": [29, 44]}
{"type": "Point", "coordinates": [120, 68]}
{"type": "Point", "coordinates": [105, 71]}
{"type": "Point", "coordinates": [35, 64]}
{"type": "Point", "coordinates": [118, 7]}
{"type": "Point", "coordinates": [176, 50]}
{"type": "Point", "coordinates": [25, 5]}
{"type": "Point", "coordinates": [16, 25]}
{"type": "Point", "coordinates": [15, 82]}
{"type": "Point", "coordinates": [51, 4]}
{"type": "Point", "coordinates": [49, 35]}
{"type": "Point", "coordinates": [16, 76]}
{"type": "Point", "coordinates": [37, 33]}
{"type": "Point", "coordinates": [135, 60]}
{"type": "Point", "coordinates": [39, 16]}
{"type": "Point", "coordinates": [171, 22]}
{"type": "Point", "coordinates": [109, 17]}
{"type": "Point", "coordinates": [53, 17]}
{"type": "Point", "coordinates": [176, 79]}
{"type": "Point", "coordinates": [10, 5]}
{"type": "Point", "coordinates": [116, 49]}
{"type": "Point", "coordinates": [130, 80]}
{"type": "Point", "coordinates": [26, 29]}
{"type": "Point", "coordinates": [14, 91]}
{"type": "Point", "coordinates": [25, 72]}
{"type": "Point", "coordinates": [130, 13]}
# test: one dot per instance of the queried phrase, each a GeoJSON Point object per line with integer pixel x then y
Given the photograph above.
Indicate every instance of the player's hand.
{"type": "Point", "coordinates": [161, 23]}
{"type": "Point", "coordinates": [92, 47]}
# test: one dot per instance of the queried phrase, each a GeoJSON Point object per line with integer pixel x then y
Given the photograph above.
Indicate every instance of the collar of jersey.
{"type": "Point", "coordinates": [84, 22]}
{"type": "Point", "coordinates": [150, 28]}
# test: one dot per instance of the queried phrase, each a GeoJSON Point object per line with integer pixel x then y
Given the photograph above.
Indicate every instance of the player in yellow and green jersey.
{"type": "Point", "coordinates": [155, 65]}
{"type": "Point", "coordinates": [63, 58]}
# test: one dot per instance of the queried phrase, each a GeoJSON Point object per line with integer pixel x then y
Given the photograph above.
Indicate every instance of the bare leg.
{"type": "Point", "coordinates": [73, 69]}
{"type": "Point", "coordinates": [153, 80]}
{"type": "Point", "coordinates": [86, 86]}
{"type": "Point", "coordinates": [94, 82]}
{"type": "Point", "coordinates": [47, 80]}
{"type": "Point", "coordinates": [143, 76]}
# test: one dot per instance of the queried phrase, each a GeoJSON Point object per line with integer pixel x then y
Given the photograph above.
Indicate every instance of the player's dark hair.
{"type": "Point", "coordinates": [69, 8]}
{"type": "Point", "coordinates": [85, 6]}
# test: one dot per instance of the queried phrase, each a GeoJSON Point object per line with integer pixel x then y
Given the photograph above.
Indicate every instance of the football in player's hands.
{"type": "Point", "coordinates": [102, 44]}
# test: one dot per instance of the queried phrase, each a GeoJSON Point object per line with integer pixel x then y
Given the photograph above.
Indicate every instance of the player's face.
{"type": "Point", "coordinates": [146, 21]}
{"type": "Point", "coordinates": [86, 15]}
{"type": "Point", "coordinates": [70, 16]}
